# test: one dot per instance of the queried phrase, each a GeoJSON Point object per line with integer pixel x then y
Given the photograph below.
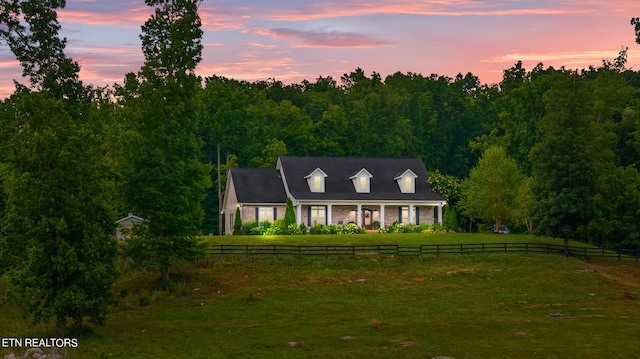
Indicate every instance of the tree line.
{"type": "Point", "coordinates": [74, 157]}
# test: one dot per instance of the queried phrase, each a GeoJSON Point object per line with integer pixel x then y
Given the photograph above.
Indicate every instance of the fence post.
{"type": "Point", "coordinates": [585, 253]}
{"type": "Point", "coordinates": [526, 248]}
{"type": "Point", "coordinates": [505, 247]}
{"type": "Point", "coordinates": [437, 250]}
{"type": "Point", "coordinates": [603, 254]}
{"type": "Point", "coordinates": [547, 247]}
{"type": "Point", "coordinates": [460, 249]}
{"type": "Point", "coordinates": [482, 248]}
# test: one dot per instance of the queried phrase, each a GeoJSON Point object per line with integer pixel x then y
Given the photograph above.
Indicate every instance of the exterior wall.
{"type": "Point", "coordinates": [230, 205]}
{"type": "Point", "coordinates": [344, 214]}
{"type": "Point", "coordinates": [125, 224]}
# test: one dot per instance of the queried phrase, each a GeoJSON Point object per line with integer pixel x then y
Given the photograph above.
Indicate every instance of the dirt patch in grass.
{"type": "Point", "coordinates": [622, 273]}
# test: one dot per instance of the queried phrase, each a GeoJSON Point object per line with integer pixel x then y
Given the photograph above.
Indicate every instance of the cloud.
{"type": "Point", "coordinates": [567, 58]}
{"type": "Point", "coordinates": [324, 39]}
{"type": "Point", "coordinates": [253, 69]}
{"type": "Point", "coordinates": [129, 18]}
{"type": "Point", "coordinates": [434, 8]}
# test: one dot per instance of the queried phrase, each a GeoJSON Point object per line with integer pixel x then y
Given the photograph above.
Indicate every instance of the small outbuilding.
{"type": "Point", "coordinates": [126, 223]}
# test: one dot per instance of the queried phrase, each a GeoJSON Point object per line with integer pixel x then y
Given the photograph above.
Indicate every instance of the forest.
{"type": "Point", "coordinates": [75, 157]}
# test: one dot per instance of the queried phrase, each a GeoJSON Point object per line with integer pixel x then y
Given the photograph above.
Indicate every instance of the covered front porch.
{"type": "Point", "coordinates": [368, 215]}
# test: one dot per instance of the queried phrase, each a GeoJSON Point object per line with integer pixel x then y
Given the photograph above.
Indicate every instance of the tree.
{"type": "Point", "coordinates": [490, 191]}
{"type": "Point", "coordinates": [30, 28]}
{"type": "Point", "coordinates": [446, 186]}
{"type": "Point", "coordinates": [636, 23]}
{"type": "Point", "coordinates": [568, 162]}
{"type": "Point", "coordinates": [57, 227]}
{"type": "Point", "coordinates": [165, 181]}
{"type": "Point", "coordinates": [237, 223]}
{"type": "Point", "coordinates": [289, 214]}
{"type": "Point", "coordinates": [450, 220]}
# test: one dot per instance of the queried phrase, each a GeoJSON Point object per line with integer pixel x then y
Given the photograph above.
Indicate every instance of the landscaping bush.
{"type": "Point", "coordinates": [248, 225]}
{"type": "Point", "coordinates": [350, 228]}
{"type": "Point", "coordinates": [277, 228]}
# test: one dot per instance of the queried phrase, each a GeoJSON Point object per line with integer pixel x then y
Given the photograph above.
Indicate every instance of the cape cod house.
{"type": "Point", "coordinates": [334, 190]}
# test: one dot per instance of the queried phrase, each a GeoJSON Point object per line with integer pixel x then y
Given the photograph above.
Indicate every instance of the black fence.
{"type": "Point", "coordinates": [422, 250]}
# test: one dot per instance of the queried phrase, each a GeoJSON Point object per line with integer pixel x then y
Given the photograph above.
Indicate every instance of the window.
{"type": "Point", "coordinates": [407, 181]}
{"type": "Point", "coordinates": [317, 183]}
{"type": "Point", "coordinates": [408, 184]}
{"type": "Point", "coordinates": [362, 181]}
{"type": "Point", "coordinates": [265, 214]}
{"type": "Point", "coordinates": [317, 215]}
{"type": "Point", "coordinates": [404, 215]}
{"type": "Point", "coordinates": [315, 180]}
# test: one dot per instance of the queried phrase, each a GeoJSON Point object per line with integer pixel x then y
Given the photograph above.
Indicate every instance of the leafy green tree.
{"type": "Point", "coordinates": [446, 186]}
{"type": "Point", "coordinates": [30, 28]}
{"type": "Point", "coordinates": [491, 190]}
{"type": "Point", "coordinates": [524, 204]}
{"type": "Point", "coordinates": [450, 220]}
{"type": "Point", "coordinates": [636, 23]}
{"type": "Point", "coordinates": [57, 230]}
{"type": "Point", "coordinates": [567, 163]}
{"type": "Point", "coordinates": [166, 181]}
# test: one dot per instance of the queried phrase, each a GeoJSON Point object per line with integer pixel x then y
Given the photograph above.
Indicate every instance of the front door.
{"type": "Point", "coordinates": [367, 218]}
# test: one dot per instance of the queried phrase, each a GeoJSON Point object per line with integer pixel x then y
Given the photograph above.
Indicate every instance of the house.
{"type": "Point", "coordinates": [334, 190]}
{"type": "Point", "coordinates": [126, 223]}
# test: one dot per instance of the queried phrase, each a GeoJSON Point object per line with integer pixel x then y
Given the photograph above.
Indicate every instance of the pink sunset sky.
{"type": "Point", "coordinates": [292, 40]}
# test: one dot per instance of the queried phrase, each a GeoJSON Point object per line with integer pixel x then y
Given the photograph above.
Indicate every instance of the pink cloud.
{"type": "Point", "coordinates": [436, 8]}
{"type": "Point", "coordinates": [324, 38]}
{"type": "Point", "coordinates": [221, 19]}
{"type": "Point", "coordinates": [253, 69]}
{"type": "Point", "coordinates": [132, 17]}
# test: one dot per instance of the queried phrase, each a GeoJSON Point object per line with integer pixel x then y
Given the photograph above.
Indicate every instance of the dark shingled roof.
{"type": "Point", "coordinates": [258, 185]}
{"type": "Point", "coordinates": [338, 186]}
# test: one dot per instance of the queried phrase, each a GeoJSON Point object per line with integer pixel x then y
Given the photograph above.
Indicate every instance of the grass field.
{"type": "Point", "coordinates": [472, 306]}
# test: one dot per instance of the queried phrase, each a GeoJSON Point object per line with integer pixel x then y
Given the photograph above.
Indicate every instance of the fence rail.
{"type": "Point", "coordinates": [422, 250]}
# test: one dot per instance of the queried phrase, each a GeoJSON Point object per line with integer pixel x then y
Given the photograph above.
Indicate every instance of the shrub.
{"type": "Point", "coordinates": [248, 225]}
{"type": "Point", "coordinates": [289, 214]}
{"type": "Point", "coordinates": [350, 228]}
{"type": "Point", "coordinates": [277, 228]}
{"type": "Point", "coordinates": [237, 224]}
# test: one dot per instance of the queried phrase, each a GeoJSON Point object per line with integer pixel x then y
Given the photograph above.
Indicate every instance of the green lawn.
{"type": "Point", "coordinates": [407, 239]}
{"type": "Point", "coordinates": [472, 306]}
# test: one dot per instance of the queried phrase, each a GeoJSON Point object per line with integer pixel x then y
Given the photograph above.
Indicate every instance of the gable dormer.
{"type": "Point", "coordinates": [407, 181]}
{"type": "Point", "coordinates": [362, 181]}
{"type": "Point", "coordinates": [315, 180]}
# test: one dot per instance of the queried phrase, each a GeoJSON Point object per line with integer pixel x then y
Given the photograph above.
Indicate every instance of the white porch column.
{"type": "Point", "coordinates": [299, 214]}
{"type": "Point", "coordinates": [410, 219]}
{"type": "Point", "coordinates": [329, 214]}
{"type": "Point", "coordinates": [382, 216]}
{"type": "Point", "coordinates": [440, 207]}
{"type": "Point", "coordinates": [359, 216]}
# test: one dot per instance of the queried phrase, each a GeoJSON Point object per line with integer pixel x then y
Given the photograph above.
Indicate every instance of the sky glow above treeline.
{"type": "Point", "coordinates": [292, 41]}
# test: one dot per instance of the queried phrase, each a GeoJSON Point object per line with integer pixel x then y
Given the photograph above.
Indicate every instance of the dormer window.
{"type": "Point", "coordinates": [315, 180]}
{"type": "Point", "coordinates": [407, 181]}
{"type": "Point", "coordinates": [362, 181]}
